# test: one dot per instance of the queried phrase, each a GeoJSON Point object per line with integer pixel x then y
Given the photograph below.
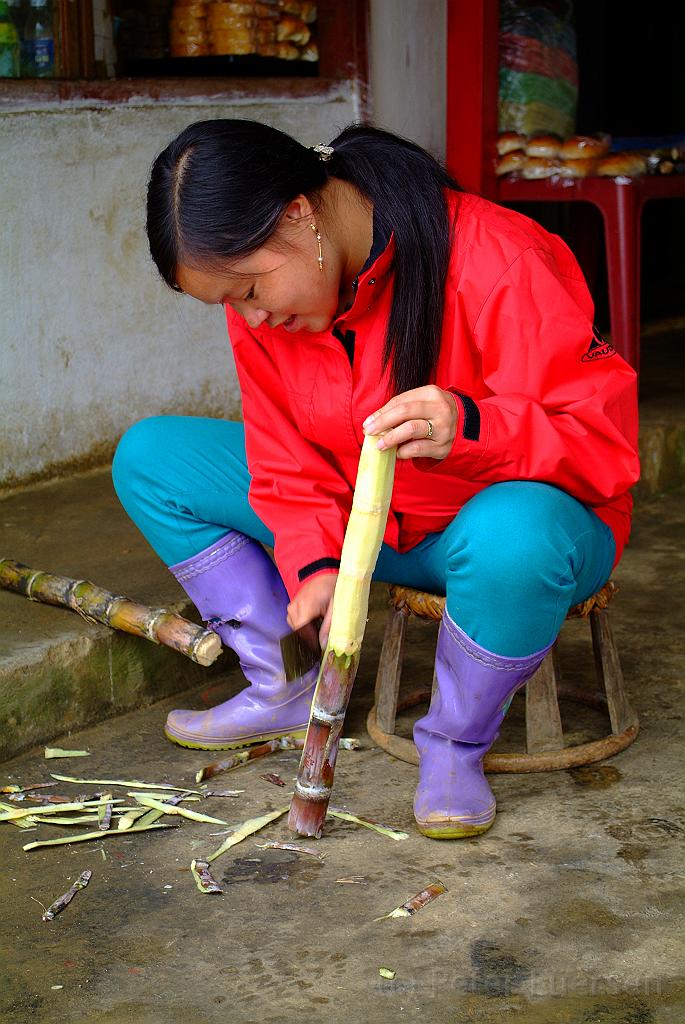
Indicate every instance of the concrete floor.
{"type": "Point", "coordinates": [569, 910]}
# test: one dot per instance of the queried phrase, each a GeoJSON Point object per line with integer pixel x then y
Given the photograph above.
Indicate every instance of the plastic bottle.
{"type": "Point", "coordinates": [38, 44]}
{"type": "Point", "coordinates": [9, 44]}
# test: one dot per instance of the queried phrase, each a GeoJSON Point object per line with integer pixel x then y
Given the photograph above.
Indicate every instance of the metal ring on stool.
{"type": "Point", "coordinates": [409, 601]}
{"type": "Point", "coordinates": [551, 760]}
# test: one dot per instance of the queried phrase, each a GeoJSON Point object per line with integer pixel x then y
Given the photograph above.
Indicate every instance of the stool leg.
{"type": "Point", "coordinates": [390, 670]}
{"type": "Point", "coordinates": [609, 671]}
{"type": "Point", "coordinates": [543, 721]}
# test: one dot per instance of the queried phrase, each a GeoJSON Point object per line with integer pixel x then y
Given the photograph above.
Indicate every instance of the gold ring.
{"type": "Point", "coordinates": [430, 429]}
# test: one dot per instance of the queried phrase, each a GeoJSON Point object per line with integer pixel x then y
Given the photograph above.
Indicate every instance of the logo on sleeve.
{"type": "Point", "coordinates": [599, 348]}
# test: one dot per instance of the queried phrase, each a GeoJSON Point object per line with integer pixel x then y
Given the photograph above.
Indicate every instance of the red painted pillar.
{"type": "Point", "coordinates": [472, 90]}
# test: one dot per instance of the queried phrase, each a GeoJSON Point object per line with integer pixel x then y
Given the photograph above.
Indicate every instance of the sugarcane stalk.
{"type": "Point", "coordinates": [97, 605]}
{"type": "Point", "coordinates": [362, 543]}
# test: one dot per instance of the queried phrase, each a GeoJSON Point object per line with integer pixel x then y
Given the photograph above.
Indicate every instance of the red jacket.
{"type": "Point", "coordinates": [540, 396]}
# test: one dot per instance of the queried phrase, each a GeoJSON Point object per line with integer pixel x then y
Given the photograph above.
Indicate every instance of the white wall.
{"type": "Point", "coordinates": [90, 338]}
{"type": "Point", "coordinates": [408, 61]}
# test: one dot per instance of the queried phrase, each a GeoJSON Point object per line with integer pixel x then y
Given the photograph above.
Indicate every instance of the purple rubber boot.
{"type": "Point", "coordinates": [474, 689]}
{"type": "Point", "coordinates": [239, 593]}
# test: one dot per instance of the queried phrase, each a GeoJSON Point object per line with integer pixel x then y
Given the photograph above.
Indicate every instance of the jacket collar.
{"type": "Point", "coordinates": [372, 275]}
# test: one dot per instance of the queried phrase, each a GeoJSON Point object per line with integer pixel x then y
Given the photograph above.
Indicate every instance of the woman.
{"type": "Point", "coordinates": [365, 292]}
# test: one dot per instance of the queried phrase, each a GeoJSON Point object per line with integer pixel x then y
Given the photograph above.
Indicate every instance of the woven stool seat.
{"type": "Point", "coordinates": [545, 746]}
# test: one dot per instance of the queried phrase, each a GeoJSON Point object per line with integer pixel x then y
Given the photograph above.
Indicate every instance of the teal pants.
{"type": "Point", "coordinates": [512, 562]}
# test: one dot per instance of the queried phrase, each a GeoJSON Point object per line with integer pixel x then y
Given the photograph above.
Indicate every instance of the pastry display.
{"type": "Point", "coordinates": [267, 28]}
{"type": "Point", "coordinates": [579, 156]}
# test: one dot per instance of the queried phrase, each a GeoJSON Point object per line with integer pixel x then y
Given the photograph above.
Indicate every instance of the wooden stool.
{"type": "Point", "coordinates": [545, 749]}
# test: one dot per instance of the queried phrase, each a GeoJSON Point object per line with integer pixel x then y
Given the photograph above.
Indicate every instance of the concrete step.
{"type": "Point", "coordinates": [662, 408]}
{"type": "Point", "coordinates": [59, 673]}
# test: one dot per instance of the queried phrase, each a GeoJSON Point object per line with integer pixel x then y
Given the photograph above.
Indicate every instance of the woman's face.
{"type": "Point", "coordinates": [280, 286]}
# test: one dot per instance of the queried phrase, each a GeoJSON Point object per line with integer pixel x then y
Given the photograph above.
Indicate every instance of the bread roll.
{"type": "Point", "coordinates": [537, 167]}
{"type": "Point", "coordinates": [292, 30]}
{"type": "Point", "coordinates": [578, 147]}
{"type": "Point", "coordinates": [619, 165]}
{"type": "Point", "coordinates": [507, 142]}
{"type": "Point", "coordinates": [512, 161]}
{"type": "Point", "coordinates": [584, 167]}
{"type": "Point", "coordinates": [287, 51]}
{"type": "Point", "coordinates": [547, 146]}
{"type": "Point", "coordinates": [310, 51]}
{"type": "Point", "coordinates": [308, 12]}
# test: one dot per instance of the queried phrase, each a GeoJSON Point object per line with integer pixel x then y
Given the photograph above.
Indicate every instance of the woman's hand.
{"type": "Point", "coordinates": [312, 602]}
{"type": "Point", "coordinates": [421, 423]}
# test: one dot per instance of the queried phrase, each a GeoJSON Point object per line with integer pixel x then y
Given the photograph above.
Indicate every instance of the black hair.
{"type": "Point", "coordinates": [219, 190]}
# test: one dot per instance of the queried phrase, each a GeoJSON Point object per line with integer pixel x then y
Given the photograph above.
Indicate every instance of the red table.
{"type": "Point", "coordinates": [472, 89]}
{"type": "Point", "coordinates": [620, 201]}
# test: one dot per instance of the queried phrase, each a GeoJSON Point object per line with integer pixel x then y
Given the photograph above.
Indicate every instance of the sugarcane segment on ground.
{"type": "Point", "coordinates": [240, 757]}
{"type": "Point", "coordinates": [363, 539]}
{"type": "Point", "coordinates": [97, 605]}
{"type": "Point", "coordinates": [63, 901]}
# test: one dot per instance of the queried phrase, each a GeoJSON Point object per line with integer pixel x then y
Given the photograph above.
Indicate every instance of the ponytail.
{"type": "Point", "coordinates": [406, 186]}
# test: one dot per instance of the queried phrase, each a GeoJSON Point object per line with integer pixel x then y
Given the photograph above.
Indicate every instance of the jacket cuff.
{"type": "Point", "coordinates": [468, 421]}
{"type": "Point", "coordinates": [313, 568]}
{"type": "Point", "coordinates": [294, 576]}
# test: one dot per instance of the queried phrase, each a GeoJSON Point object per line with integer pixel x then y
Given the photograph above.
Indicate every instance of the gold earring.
{"type": "Point", "coordinates": [318, 240]}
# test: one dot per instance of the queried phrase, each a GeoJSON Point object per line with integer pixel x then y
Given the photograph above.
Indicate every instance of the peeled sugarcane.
{"type": "Point", "coordinates": [97, 605]}
{"type": "Point", "coordinates": [363, 538]}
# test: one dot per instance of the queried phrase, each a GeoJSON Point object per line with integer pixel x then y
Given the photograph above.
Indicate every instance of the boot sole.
{"type": "Point", "coordinates": [450, 831]}
{"type": "Point", "coordinates": [246, 741]}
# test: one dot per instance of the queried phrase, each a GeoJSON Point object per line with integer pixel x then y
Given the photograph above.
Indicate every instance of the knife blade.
{"type": "Point", "coordinates": [300, 650]}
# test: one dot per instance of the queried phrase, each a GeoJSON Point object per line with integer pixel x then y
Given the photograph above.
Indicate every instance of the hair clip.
{"type": "Point", "coordinates": [323, 152]}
